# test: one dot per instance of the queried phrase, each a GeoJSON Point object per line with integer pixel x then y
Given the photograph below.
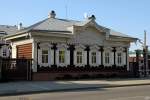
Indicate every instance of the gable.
{"type": "Point", "coordinates": [88, 35]}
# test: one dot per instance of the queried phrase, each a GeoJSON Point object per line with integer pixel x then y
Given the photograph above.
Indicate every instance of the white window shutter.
{"type": "Point", "coordinates": [85, 58]}
{"type": "Point", "coordinates": [51, 57]}
{"type": "Point", "coordinates": [90, 58]}
{"type": "Point", "coordinates": [116, 60]}
{"type": "Point", "coordinates": [39, 57]}
{"type": "Point", "coordinates": [123, 58]}
{"type": "Point", "coordinates": [112, 58]}
{"type": "Point", "coordinates": [67, 57]}
{"type": "Point", "coordinates": [75, 57]}
{"type": "Point", "coordinates": [98, 57]}
{"type": "Point", "coordinates": [57, 57]}
{"type": "Point", "coordinates": [104, 59]}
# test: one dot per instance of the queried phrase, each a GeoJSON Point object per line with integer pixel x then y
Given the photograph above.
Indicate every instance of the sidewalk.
{"type": "Point", "coordinates": [27, 87]}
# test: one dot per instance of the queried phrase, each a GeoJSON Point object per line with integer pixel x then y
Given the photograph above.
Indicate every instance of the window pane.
{"type": "Point", "coordinates": [44, 56]}
{"type": "Point", "coordinates": [79, 57]}
{"type": "Point", "coordinates": [62, 56]}
{"type": "Point", "coordinates": [107, 58]}
{"type": "Point", "coordinates": [45, 52]}
{"type": "Point", "coordinates": [119, 58]}
{"type": "Point", "coordinates": [93, 57]}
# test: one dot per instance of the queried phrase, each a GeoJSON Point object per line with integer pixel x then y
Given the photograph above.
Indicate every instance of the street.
{"type": "Point", "coordinates": [119, 93]}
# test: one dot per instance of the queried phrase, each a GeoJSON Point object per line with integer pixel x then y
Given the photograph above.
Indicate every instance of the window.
{"type": "Point", "coordinates": [93, 57]}
{"type": "Point", "coordinates": [44, 56]}
{"type": "Point", "coordinates": [107, 58]}
{"type": "Point", "coordinates": [4, 52]}
{"type": "Point", "coordinates": [79, 57]}
{"type": "Point", "coordinates": [119, 58]}
{"type": "Point", "coordinates": [62, 56]}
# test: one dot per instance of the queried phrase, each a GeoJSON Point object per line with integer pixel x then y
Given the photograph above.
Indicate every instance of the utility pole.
{"type": "Point", "coordinates": [144, 38]}
{"type": "Point", "coordinates": [145, 55]}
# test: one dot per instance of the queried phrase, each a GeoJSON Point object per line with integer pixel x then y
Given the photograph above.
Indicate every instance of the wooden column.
{"type": "Point", "coordinates": [54, 48]}
{"type": "Point", "coordinates": [72, 48]}
{"type": "Point", "coordinates": [114, 51]}
{"type": "Point", "coordinates": [126, 54]}
{"type": "Point", "coordinates": [38, 47]}
{"type": "Point", "coordinates": [101, 50]}
{"type": "Point", "coordinates": [88, 50]}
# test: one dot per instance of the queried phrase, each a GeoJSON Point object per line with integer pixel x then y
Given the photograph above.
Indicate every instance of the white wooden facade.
{"type": "Point", "coordinates": [82, 35]}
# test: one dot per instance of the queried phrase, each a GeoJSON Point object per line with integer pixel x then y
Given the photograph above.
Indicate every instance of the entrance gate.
{"type": "Point", "coordinates": [16, 69]}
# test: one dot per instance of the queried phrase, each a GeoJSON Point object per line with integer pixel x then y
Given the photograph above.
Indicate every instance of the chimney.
{"type": "Point", "coordinates": [92, 17]}
{"type": "Point", "coordinates": [52, 14]}
{"type": "Point", "coordinates": [20, 26]}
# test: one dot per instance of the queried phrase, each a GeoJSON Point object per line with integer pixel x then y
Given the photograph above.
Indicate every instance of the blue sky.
{"type": "Point", "coordinates": [131, 17]}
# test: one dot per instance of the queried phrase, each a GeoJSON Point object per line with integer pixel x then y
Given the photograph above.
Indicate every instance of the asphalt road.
{"type": "Point", "coordinates": [119, 93]}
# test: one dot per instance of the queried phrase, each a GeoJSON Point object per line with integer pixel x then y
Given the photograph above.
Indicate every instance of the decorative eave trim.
{"type": "Point", "coordinates": [94, 47]}
{"type": "Point", "coordinates": [15, 36]}
{"type": "Point", "coordinates": [107, 48]}
{"type": "Point", "coordinates": [21, 33]}
{"type": "Point", "coordinates": [50, 34]}
{"type": "Point", "coordinates": [49, 45]}
{"type": "Point", "coordinates": [51, 31]}
{"type": "Point", "coordinates": [62, 45]}
{"type": "Point", "coordinates": [124, 39]}
{"type": "Point", "coordinates": [80, 46]}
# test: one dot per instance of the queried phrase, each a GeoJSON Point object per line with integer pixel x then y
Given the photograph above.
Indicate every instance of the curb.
{"type": "Point", "coordinates": [67, 90]}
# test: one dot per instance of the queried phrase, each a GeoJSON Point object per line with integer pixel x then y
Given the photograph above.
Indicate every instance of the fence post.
{"type": "Point", "coordinates": [29, 70]}
{"type": "Point", "coordinates": [27, 66]}
{"type": "Point", "coordinates": [30, 62]}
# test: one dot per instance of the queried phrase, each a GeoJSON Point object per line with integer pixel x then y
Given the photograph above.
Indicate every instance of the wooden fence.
{"type": "Point", "coordinates": [16, 69]}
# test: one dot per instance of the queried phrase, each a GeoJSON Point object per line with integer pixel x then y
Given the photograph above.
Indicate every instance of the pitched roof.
{"type": "Point", "coordinates": [7, 29]}
{"type": "Point", "coordinates": [61, 25]}
{"type": "Point", "coordinates": [57, 25]}
{"type": "Point", "coordinates": [115, 33]}
{"type": "Point", "coordinates": [51, 24]}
